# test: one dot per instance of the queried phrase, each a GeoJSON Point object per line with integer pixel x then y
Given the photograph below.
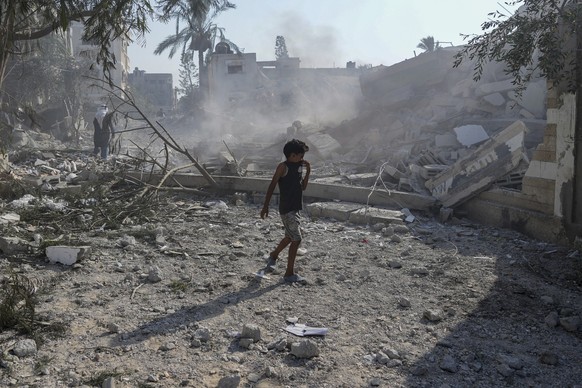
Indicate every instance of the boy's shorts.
{"type": "Point", "coordinates": [291, 224]}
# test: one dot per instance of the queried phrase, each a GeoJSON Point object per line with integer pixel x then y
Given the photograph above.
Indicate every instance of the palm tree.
{"type": "Point", "coordinates": [428, 44]}
{"type": "Point", "coordinates": [199, 32]}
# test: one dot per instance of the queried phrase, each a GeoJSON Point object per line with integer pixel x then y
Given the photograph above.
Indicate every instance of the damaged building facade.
{"type": "Point", "coordinates": [476, 148]}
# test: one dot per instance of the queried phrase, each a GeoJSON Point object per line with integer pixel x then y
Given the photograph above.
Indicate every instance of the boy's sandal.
{"type": "Point", "coordinates": [295, 279]}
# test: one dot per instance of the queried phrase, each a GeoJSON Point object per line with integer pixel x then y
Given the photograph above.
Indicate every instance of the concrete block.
{"type": "Point", "coordinates": [374, 215]}
{"type": "Point", "coordinates": [66, 255]}
{"type": "Point", "coordinates": [495, 99]}
{"type": "Point", "coordinates": [8, 218]}
{"type": "Point", "coordinates": [494, 87]}
{"type": "Point", "coordinates": [12, 245]}
{"type": "Point", "coordinates": [468, 135]}
{"type": "Point", "coordinates": [446, 140]}
{"type": "Point", "coordinates": [324, 144]}
{"type": "Point", "coordinates": [336, 210]}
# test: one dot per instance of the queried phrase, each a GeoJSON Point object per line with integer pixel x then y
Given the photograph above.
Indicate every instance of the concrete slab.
{"type": "Point", "coordinates": [468, 135]}
{"type": "Point", "coordinates": [356, 213]}
{"type": "Point", "coordinates": [377, 197]}
{"type": "Point", "coordinates": [373, 215]}
{"type": "Point", "coordinates": [337, 210]}
{"type": "Point", "coordinates": [65, 254]}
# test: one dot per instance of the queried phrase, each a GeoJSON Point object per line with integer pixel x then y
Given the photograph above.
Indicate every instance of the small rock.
{"type": "Point", "coordinates": [393, 354]}
{"type": "Point", "coordinates": [419, 370]}
{"type": "Point", "coordinates": [547, 299]}
{"type": "Point", "coordinates": [396, 238]}
{"type": "Point", "coordinates": [25, 348]}
{"type": "Point", "coordinates": [393, 363]}
{"type": "Point", "coordinates": [433, 315]}
{"type": "Point", "coordinates": [449, 364]}
{"type": "Point", "coordinates": [404, 302]}
{"type": "Point", "coordinates": [375, 382]}
{"type": "Point", "coordinates": [570, 323]}
{"type": "Point", "coordinates": [402, 229]}
{"type": "Point", "coordinates": [246, 343]}
{"type": "Point", "coordinates": [251, 331]}
{"type": "Point", "coordinates": [202, 334]}
{"type": "Point", "coordinates": [113, 327]}
{"type": "Point", "coordinates": [155, 275]}
{"type": "Point", "coordinates": [109, 382]}
{"type": "Point", "coordinates": [549, 358]}
{"type": "Point", "coordinates": [504, 370]}
{"type": "Point", "coordinates": [167, 346]}
{"type": "Point", "coordinates": [304, 349]}
{"type": "Point", "coordinates": [229, 382]}
{"type": "Point", "coordinates": [253, 377]}
{"type": "Point", "coordinates": [388, 232]}
{"type": "Point", "coordinates": [382, 358]}
{"type": "Point", "coordinates": [552, 319]}
{"type": "Point", "coordinates": [394, 264]}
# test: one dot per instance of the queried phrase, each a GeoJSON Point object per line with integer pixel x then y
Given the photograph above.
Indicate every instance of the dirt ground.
{"type": "Point", "coordinates": [164, 304]}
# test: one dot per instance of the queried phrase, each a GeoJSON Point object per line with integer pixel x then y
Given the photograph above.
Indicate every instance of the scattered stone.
{"type": "Point", "coordinates": [505, 370]}
{"type": "Point", "coordinates": [167, 346]}
{"type": "Point", "coordinates": [433, 315]}
{"type": "Point", "coordinates": [279, 344]}
{"type": "Point", "coordinates": [570, 323]}
{"type": "Point", "coordinates": [388, 231]}
{"type": "Point", "coordinates": [382, 358]}
{"type": "Point", "coordinates": [393, 354]}
{"type": "Point", "coordinates": [25, 348]}
{"type": "Point", "coordinates": [12, 245]}
{"type": "Point", "coordinates": [404, 302]}
{"type": "Point", "coordinates": [547, 299]}
{"type": "Point", "coordinates": [549, 358]}
{"type": "Point", "coordinates": [304, 349]}
{"type": "Point", "coordinates": [552, 319]}
{"type": "Point", "coordinates": [202, 334]}
{"type": "Point", "coordinates": [375, 382]}
{"type": "Point", "coordinates": [253, 377]}
{"type": "Point", "coordinates": [419, 370]}
{"type": "Point", "coordinates": [246, 343]}
{"type": "Point", "coordinates": [155, 275]}
{"type": "Point", "coordinates": [229, 382]}
{"type": "Point", "coordinates": [251, 331]}
{"type": "Point", "coordinates": [402, 229]}
{"type": "Point", "coordinates": [394, 264]}
{"type": "Point", "coordinates": [126, 241]}
{"type": "Point", "coordinates": [109, 382]}
{"type": "Point", "coordinates": [449, 364]}
{"type": "Point", "coordinates": [113, 328]}
{"type": "Point", "coordinates": [66, 255]}
{"type": "Point", "coordinates": [396, 238]}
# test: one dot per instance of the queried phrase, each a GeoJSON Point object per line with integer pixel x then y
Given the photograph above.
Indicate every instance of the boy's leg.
{"type": "Point", "coordinates": [282, 245]}
{"type": "Point", "coordinates": [291, 259]}
{"type": "Point", "coordinates": [293, 233]}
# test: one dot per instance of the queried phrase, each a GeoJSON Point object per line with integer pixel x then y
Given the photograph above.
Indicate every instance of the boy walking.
{"type": "Point", "coordinates": [288, 176]}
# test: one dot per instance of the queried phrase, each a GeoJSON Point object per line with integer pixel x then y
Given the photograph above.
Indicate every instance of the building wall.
{"type": "Point", "coordinates": [231, 76]}
{"type": "Point", "coordinates": [157, 88]}
{"type": "Point", "coordinates": [82, 49]}
{"type": "Point", "coordinates": [541, 209]}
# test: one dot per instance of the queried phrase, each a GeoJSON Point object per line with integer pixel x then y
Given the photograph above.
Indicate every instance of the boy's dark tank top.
{"type": "Point", "coordinates": [290, 191]}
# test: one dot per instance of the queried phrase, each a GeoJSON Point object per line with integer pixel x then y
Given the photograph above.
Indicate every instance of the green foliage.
{"type": "Point", "coordinates": [537, 40]}
{"type": "Point", "coordinates": [178, 286]}
{"type": "Point", "coordinates": [281, 48]}
{"type": "Point", "coordinates": [428, 44]}
{"type": "Point", "coordinates": [195, 31]}
{"type": "Point", "coordinates": [17, 303]}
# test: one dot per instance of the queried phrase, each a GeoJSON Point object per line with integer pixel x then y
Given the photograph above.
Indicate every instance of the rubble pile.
{"type": "Point", "coordinates": [424, 119]}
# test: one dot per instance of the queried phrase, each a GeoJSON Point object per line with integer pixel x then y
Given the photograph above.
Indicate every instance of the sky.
{"type": "Point", "coordinates": [329, 33]}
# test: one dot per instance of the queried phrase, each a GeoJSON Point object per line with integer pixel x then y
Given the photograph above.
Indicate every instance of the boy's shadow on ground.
{"type": "Point", "coordinates": [185, 317]}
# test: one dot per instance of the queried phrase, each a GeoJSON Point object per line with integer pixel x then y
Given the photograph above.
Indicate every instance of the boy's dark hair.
{"type": "Point", "coordinates": [295, 147]}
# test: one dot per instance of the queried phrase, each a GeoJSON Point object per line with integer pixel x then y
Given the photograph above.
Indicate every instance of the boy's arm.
{"type": "Point", "coordinates": [278, 174]}
{"type": "Point", "coordinates": [307, 172]}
